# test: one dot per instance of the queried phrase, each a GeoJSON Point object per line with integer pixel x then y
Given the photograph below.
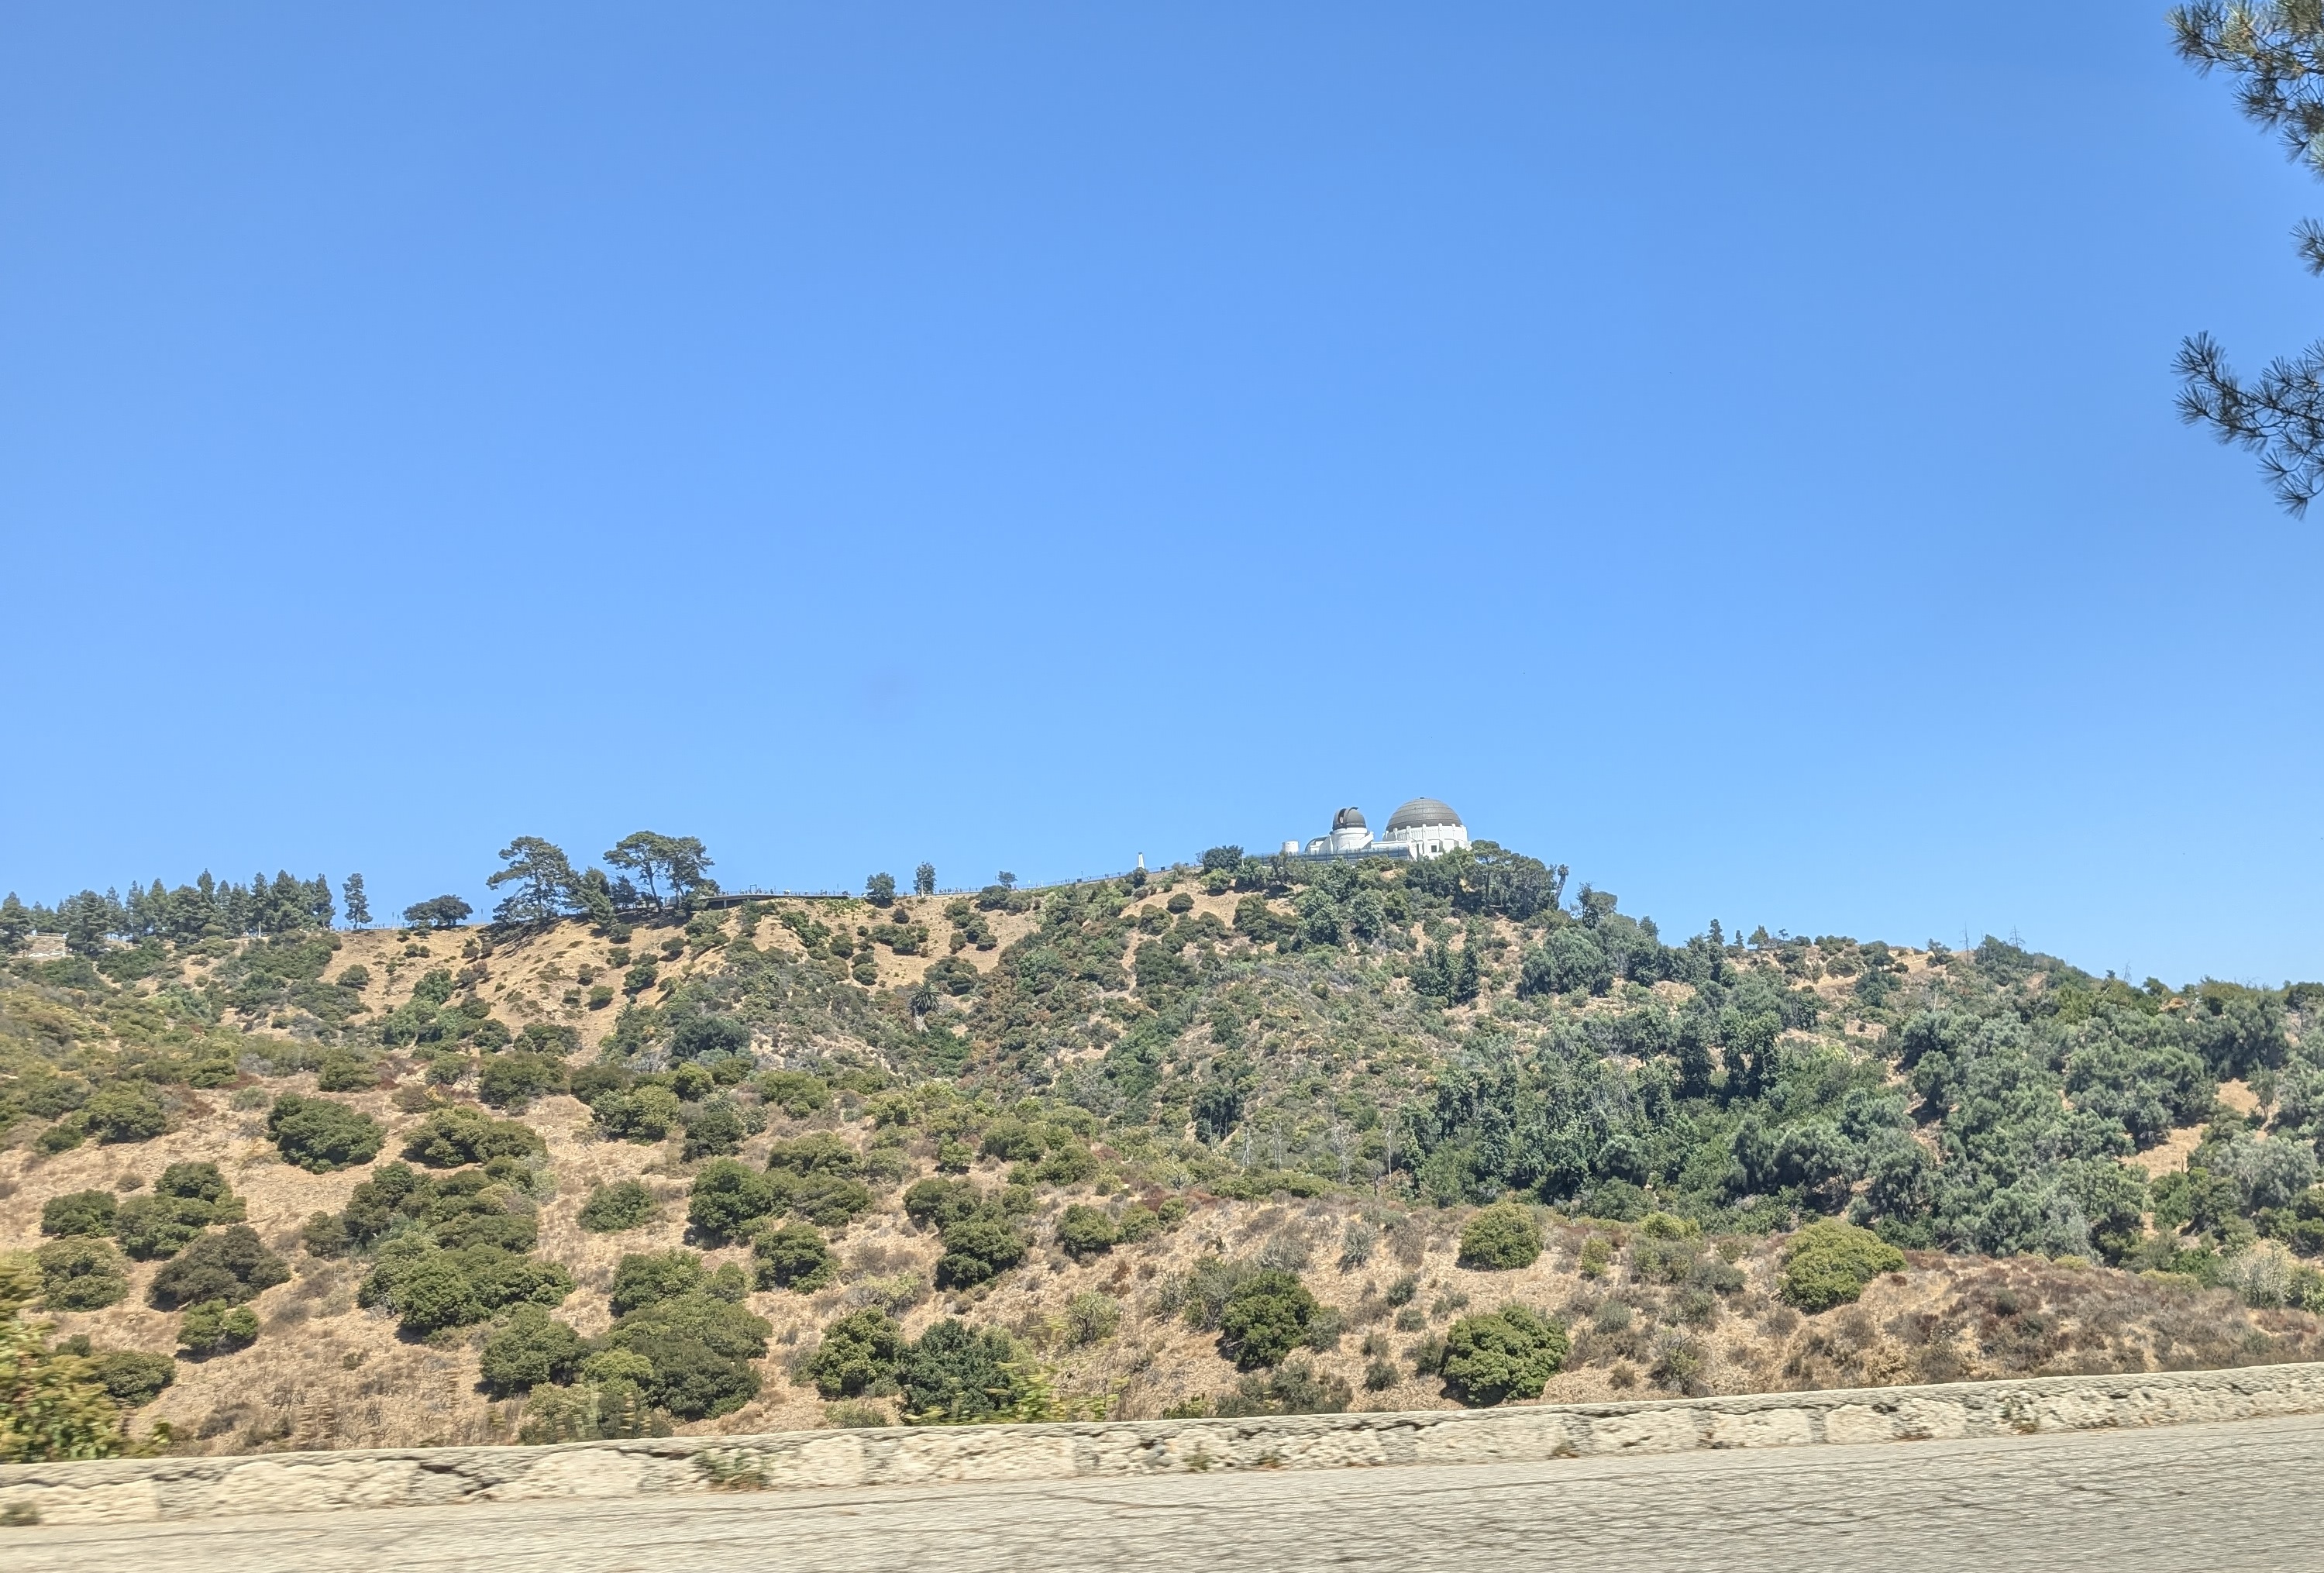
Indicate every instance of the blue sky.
{"type": "Point", "coordinates": [1729, 453]}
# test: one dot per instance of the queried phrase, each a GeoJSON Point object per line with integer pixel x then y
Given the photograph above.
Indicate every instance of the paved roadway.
{"type": "Point", "coordinates": [2245, 1496]}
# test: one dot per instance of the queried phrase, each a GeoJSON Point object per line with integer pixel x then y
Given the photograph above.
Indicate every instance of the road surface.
{"type": "Point", "coordinates": [2243, 1496]}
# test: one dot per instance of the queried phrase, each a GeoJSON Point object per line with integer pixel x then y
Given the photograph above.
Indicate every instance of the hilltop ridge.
{"type": "Point", "coordinates": [741, 1166]}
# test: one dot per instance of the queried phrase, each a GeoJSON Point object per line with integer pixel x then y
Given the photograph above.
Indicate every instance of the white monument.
{"type": "Point", "coordinates": [1422, 828]}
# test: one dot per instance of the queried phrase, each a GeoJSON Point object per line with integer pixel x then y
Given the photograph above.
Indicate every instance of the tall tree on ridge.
{"type": "Point", "coordinates": [675, 863]}
{"type": "Point", "coordinates": [544, 879]}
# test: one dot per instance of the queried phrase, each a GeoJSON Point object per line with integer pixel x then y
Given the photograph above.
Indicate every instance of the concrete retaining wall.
{"type": "Point", "coordinates": [118, 1489]}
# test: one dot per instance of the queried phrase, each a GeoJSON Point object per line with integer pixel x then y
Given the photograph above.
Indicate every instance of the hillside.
{"type": "Point", "coordinates": [1262, 1134]}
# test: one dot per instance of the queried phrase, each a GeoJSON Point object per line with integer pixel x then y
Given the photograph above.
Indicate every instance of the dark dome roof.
{"type": "Point", "coordinates": [1350, 819]}
{"type": "Point", "coordinates": [1420, 812]}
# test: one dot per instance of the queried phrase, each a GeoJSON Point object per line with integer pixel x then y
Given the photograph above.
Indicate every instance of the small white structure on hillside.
{"type": "Point", "coordinates": [1422, 828]}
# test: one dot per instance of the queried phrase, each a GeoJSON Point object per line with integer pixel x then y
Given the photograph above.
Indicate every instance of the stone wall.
{"type": "Point", "coordinates": [118, 1489]}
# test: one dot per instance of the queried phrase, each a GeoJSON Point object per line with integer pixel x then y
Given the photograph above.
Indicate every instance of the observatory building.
{"type": "Point", "coordinates": [1422, 828]}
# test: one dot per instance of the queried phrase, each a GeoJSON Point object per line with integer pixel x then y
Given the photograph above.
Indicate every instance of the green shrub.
{"type": "Point", "coordinates": [434, 1294]}
{"type": "Point", "coordinates": [152, 1227]}
{"type": "Point", "coordinates": [342, 1071]}
{"type": "Point", "coordinates": [1070, 1163]}
{"type": "Point", "coordinates": [716, 1130]}
{"type": "Point", "coordinates": [1085, 1231]}
{"type": "Point", "coordinates": [884, 1166]}
{"type": "Point", "coordinates": [232, 1265]}
{"type": "Point", "coordinates": [193, 1181]}
{"type": "Point", "coordinates": [626, 1204]}
{"type": "Point", "coordinates": [187, 1199]}
{"type": "Point", "coordinates": [528, 1349]}
{"type": "Point", "coordinates": [451, 1137]}
{"type": "Point", "coordinates": [79, 1212]}
{"type": "Point", "coordinates": [955, 1376]}
{"type": "Point", "coordinates": [1829, 1263]}
{"type": "Point", "coordinates": [132, 1377]}
{"type": "Point", "coordinates": [1265, 1318]}
{"type": "Point", "coordinates": [82, 1273]}
{"type": "Point", "coordinates": [794, 1256]}
{"type": "Point", "coordinates": [701, 1348]}
{"type": "Point", "coordinates": [642, 1114]}
{"type": "Point", "coordinates": [597, 1409]}
{"type": "Point", "coordinates": [591, 1082]}
{"type": "Point", "coordinates": [817, 1153]}
{"type": "Point", "coordinates": [934, 1203]}
{"type": "Point", "coordinates": [123, 1111]}
{"type": "Point", "coordinates": [62, 1136]}
{"type": "Point", "coordinates": [1570, 962]}
{"type": "Point", "coordinates": [212, 1327]}
{"type": "Point", "coordinates": [853, 1414]}
{"type": "Point", "coordinates": [728, 1198]}
{"type": "Point", "coordinates": [858, 1351]}
{"type": "Point", "coordinates": [647, 1279]}
{"type": "Point", "coordinates": [1679, 1364]}
{"type": "Point", "coordinates": [1139, 1222]}
{"type": "Point", "coordinates": [1091, 1318]}
{"type": "Point", "coordinates": [1509, 1353]}
{"type": "Point", "coordinates": [326, 1234]}
{"type": "Point", "coordinates": [512, 1081]}
{"type": "Point", "coordinates": [978, 1249]}
{"type": "Point", "coordinates": [431, 1287]}
{"type": "Point", "coordinates": [21, 1282]}
{"type": "Point", "coordinates": [1012, 1141]}
{"type": "Point", "coordinates": [319, 1135]}
{"type": "Point", "coordinates": [709, 1037]}
{"type": "Point", "coordinates": [795, 1092]}
{"type": "Point", "coordinates": [1293, 1388]}
{"type": "Point", "coordinates": [1207, 1286]}
{"type": "Point", "coordinates": [51, 1406]}
{"type": "Point", "coordinates": [472, 1207]}
{"type": "Point", "coordinates": [827, 1200]}
{"type": "Point", "coordinates": [1500, 1239]}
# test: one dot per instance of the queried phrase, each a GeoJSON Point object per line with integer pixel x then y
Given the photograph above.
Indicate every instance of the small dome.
{"type": "Point", "coordinates": [1349, 819]}
{"type": "Point", "coordinates": [1421, 812]}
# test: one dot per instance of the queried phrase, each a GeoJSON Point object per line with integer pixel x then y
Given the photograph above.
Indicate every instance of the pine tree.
{"type": "Point", "coordinates": [358, 907]}
{"type": "Point", "coordinates": [15, 923]}
{"type": "Point", "coordinates": [287, 909]}
{"type": "Point", "coordinates": [546, 885]}
{"type": "Point", "coordinates": [1464, 974]}
{"type": "Point", "coordinates": [88, 919]}
{"type": "Point", "coordinates": [676, 862]}
{"type": "Point", "coordinates": [2276, 54]}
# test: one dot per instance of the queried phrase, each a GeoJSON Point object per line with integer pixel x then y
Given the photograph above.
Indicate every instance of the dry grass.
{"type": "Point", "coordinates": [327, 1373]}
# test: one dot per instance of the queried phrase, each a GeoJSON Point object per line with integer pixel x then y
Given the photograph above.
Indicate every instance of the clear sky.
{"type": "Point", "coordinates": [1726, 449]}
